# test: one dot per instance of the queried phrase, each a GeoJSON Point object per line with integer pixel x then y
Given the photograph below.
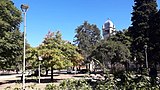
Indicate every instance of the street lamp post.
{"type": "Point", "coordinates": [24, 9]}
{"type": "Point", "coordinates": [39, 69]}
{"type": "Point", "coordinates": [145, 47]}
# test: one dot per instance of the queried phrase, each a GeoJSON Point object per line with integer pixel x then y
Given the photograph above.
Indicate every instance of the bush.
{"type": "Point", "coordinates": [70, 84]}
{"type": "Point", "coordinates": [127, 81]}
{"type": "Point", "coordinates": [52, 87]}
{"type": "Point", "coordinates": [108, 84]}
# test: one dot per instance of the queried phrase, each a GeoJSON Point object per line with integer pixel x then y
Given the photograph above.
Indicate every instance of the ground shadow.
{"type": "Point", "coordinates": [34, 79]}
{"type": "Point", "coordinates": [47, 80]}
{"type": "Point", "coordinates": [5, 74]}
{"type": "Point", "coordinates": [1, 83]}
{"type": "Point", "coordinates": [80, 76]}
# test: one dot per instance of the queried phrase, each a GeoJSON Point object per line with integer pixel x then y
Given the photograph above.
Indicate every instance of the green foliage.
{"type": "Point", "coordinates": [58, 53]}
{"type": "Point", "coordinates": [127, 81]}
{"type": "Point", "coordinates": [111, 51]}
{"type": "Point", "coordinates": [11, 40]}
{"type": "Point", "coordinates": [72, 53]}
{"type": "Point", "coordinates": [52, 87]}
{"type": "Point", "coordinates": [108, 84]}
{"type": "Point", "coordinates": [31, 58]}
{"type": "Point", "coordinates": [10, 16]}
{"type": "Point", "coordinates": [70, 84]}
{"type": "Point", "coordinates": [87, 37]}
{"type": "Point", "coordinates": [155, 37]}
{"type": "Point", "coordinates": [140, 29]}
{"type": "Point", "coordinates": [50, 50]}
{"type": "Point", "coordinates": [123, 37]}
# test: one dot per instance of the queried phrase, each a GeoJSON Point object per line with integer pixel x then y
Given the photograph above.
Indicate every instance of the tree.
{"type": "Point", "coordinates": [72, 53]}
{"type": "Point", "coordinates": [50, 51]}
{"type": "Point", "coordinates": [31, 58]}
{"type": "Point", "coordinates": [139, 31]}
{"type": "Point", "coordinates": [11, 40]}
{"type": "Point", "coordinates": [123, 37]}
{"type": "Point", "coordinates": [87, 37]}
{"type": "Point", "coordinates": [57, 53]}
{"type": "Point", "coordinates": [110, 52]}
{"type": "Point", "coordinates": [154, 36]}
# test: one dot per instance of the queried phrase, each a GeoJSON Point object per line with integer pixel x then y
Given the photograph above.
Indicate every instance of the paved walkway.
{"type": "Point", "coordinates": [14, 80]}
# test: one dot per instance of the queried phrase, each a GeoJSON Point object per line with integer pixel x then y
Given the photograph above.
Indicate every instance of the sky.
{"type": "Point", "coordinates": [66, 15]}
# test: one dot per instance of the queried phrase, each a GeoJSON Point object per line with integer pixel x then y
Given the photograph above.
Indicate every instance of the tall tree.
{"type": "Point", "coordinates": [154, 35]}
{"type": "Point", "coordinates": [11, 40]}
{"type": "Point", "coordinates": [139, 31]}
{"type": "Point", "coordinates": [87, 37]}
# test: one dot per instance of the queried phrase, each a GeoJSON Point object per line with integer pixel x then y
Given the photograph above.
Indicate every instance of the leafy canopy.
{"type": "Point", "coordinates": [87, 38]}
{"type": "Point", "coordinates": [11, 40]}
{"type": "Point", "coordinates": [58, 53]}
{"type": "Point", "coordinates": [111, 51]}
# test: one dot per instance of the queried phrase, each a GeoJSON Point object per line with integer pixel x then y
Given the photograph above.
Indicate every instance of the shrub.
{"type": "Point", "coordinates": [52, 87]}
{"type": "Point", "coordinates": [70, 84]}
{"type": "Point", "coordinates": [127, 81]}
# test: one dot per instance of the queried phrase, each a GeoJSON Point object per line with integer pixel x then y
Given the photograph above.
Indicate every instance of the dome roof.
{"type": "Point", "coordinates": [108, 24]}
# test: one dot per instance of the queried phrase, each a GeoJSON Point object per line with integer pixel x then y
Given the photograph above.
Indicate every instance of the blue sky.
{"type": "Point", "coordinates": [66, 15]}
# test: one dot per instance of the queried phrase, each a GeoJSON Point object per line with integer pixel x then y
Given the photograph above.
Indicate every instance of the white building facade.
{"type": "Point", "coordinates": [108, 29]}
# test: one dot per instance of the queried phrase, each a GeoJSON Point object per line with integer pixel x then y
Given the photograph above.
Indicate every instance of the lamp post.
{"type": "Point", "coordinates": [39, 69]}
{"type": "Point", "coordinates": [145, 47]}
{"type": "Point", "coordinates": [24, 9]}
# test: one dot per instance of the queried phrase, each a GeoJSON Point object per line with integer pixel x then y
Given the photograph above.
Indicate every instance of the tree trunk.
{"type": "Point", "coordinates": [73, 68]}
{"type": "Point", "coordinates": [46, 71]}
{"type": "Point", "coordinates": [79, 68]}
{"type": "Point", "coordinates": [51, 74]}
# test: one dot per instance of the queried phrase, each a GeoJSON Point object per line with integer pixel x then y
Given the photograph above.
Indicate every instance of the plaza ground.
{"type": "Point", "coordinates": [14, 81]}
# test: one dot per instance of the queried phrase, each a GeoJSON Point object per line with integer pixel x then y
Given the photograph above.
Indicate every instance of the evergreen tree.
{"type": "Point", "coordinates": [11, 40]}
{"type": "Point", "coordinates": [155, 38]}
{"type": "Point", "coordinates": [87, 37]}
{"type": "Point", "coordinates": [139, 31]}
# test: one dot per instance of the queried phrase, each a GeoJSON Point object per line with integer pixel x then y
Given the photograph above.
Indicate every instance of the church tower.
{"type": "Point", "coordinates": [108, 29]}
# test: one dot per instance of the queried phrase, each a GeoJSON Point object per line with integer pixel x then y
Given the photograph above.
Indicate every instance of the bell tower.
{"type": "Point", "coordinates": [108, 29]}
